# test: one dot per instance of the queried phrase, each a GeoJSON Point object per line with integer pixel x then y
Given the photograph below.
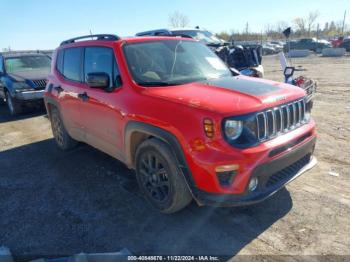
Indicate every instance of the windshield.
{"type": "Point", "coordinates": [204, 36]}
{"type": "Point", "coordinates": [172, 62]}
{"type": "Point", "coordinates": [26, 63]}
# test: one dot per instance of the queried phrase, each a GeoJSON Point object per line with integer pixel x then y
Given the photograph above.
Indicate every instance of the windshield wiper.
{"type": "Point", "coordinates": [183, 82]}
{"type": "Point", "coordinates": [158, 83]}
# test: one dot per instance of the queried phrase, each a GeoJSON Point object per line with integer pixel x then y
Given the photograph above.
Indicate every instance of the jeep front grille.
{"type": "Point", "coordinates": [280, 119]}
{"type": "Point", "coordinates": [40, 84]}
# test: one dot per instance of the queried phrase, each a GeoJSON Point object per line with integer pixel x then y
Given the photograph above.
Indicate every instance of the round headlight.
{"type": "Point", "coordinates": [233, 129]}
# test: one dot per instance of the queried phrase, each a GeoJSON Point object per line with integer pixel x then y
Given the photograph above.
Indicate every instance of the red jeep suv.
{"type": "Point", "coordinates": [169, 108]}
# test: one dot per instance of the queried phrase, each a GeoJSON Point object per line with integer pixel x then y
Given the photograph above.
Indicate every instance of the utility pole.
{"type": "Point", "coordinates": [246, 30]}
{"type": "Point", "coordinates": [342, 30]}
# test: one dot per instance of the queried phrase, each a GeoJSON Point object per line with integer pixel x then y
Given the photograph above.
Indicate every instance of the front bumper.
{"type": "Point", "coordinates": [30, 95]}
{"type": "Point", "coordinates": [272, 176]}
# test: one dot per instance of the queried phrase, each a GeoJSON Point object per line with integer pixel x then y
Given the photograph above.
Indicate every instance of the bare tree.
{"type": "Point", "coordinates": [178, 19]}
{"type": "Point", "coordinates": [224, 35]}
{"type": "Point", "coordinates": [281, 26]}
{"type": "Point", "coordinates": [300, 24]}
{"type": "Point", "coordinates": [247, 28]}
{"type": "Point", "coordinates": [311, 21]}
{"type": "Point", "coordinates": [269, 30]}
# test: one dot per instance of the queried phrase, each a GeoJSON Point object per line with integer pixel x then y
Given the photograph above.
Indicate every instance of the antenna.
{"type": "Point", "coordinates": [342, 30]}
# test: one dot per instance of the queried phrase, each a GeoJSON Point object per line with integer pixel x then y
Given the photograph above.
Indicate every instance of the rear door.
{"type": "Point", "coordinates": [101, 113]}
{"type": "Point", "coordinates": [69, 66]}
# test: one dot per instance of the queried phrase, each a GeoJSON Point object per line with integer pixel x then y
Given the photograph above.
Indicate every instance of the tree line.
{"type": "Point", "coordinates": [302, 27]}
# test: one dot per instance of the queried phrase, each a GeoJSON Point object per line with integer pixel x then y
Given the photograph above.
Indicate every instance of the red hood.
{"type": "Point", "coordinates": [234, 95]}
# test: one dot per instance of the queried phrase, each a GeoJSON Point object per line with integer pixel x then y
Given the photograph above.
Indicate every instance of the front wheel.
{"type": "Point", "coordinates": [160, 178]}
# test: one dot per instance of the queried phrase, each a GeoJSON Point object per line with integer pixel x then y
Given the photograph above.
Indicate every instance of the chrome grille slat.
{"type": "Point", "coordinates": [274, 123]}
{"type": "Point", "coordinates": [271, 125]}
{"type": "Point", "coordinates": [289, 116]}
{"type": "Point", "coordinates": [279, 119]}
{"type": "Point", "coordinates": [265, 125]}
{"type": "Point", "coordinates": [285, 117]}
{"type": "Point", "coordinates": [294, 114]}
{"type": "Point", "coordinates": [303, 110]}
{"type": "Point", "coordinates": [299, 106]}
{"type": "Point", "coordinates": [281, 114]}
{"type": "Point", "coordinates": [297, 113]}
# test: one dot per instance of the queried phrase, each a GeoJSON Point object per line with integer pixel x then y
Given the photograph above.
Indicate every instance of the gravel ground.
{"type": "Point", "coordinates": [55, 203]}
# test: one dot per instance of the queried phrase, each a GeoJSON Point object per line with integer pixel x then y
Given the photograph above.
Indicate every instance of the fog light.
{"type": "Point", "coordinates": [253, 184]}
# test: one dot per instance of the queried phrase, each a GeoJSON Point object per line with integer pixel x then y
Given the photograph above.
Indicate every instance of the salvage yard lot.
{"type": "Point", "coordinates": [57, 203]}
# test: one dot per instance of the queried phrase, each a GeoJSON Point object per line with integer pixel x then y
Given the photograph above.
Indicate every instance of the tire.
{"type": "Point", "coordinates": [159, 177]}
{"type": "Point", "coordinates": [14, 106]}
{"type": "Point", "coordinates": [62, 138]}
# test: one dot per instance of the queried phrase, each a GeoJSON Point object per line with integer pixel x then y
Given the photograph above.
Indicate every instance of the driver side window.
{"type": "Point", "coordinates": [101, 60]}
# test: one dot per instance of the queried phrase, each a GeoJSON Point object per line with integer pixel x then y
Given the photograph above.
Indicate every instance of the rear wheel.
{"type": "Point", "coordinates": [160, 178]}
{"type": "Point", "coordinates": [63, 139]}
{"type": "Point", "coordinates": [14, 106]}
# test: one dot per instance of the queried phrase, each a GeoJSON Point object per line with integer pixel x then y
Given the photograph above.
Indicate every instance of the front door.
{"type": "Point", "coordinates": [101, 114]}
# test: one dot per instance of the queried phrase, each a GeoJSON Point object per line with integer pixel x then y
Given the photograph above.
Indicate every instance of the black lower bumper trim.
{"type": "Point", "coordinates": [272, 176]}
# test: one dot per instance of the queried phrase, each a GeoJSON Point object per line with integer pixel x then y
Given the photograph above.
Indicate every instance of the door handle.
{"type": "Point", "coordinates": [58, 89]}
{"type": "Point", "coordinates": [83, 96]}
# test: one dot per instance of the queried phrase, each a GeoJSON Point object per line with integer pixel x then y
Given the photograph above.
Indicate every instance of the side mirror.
{"type": "Point", "coordinates": [98, 80]}
{"type": "Point", "coordinates": [288, 71]}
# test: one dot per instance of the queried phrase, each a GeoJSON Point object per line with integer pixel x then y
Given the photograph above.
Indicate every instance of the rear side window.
{"type": "Point", "coordinates": [72, 63]}
{"type": "Point", "coordinates": [101, 60]}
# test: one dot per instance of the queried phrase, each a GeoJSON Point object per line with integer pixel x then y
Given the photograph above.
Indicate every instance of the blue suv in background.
{"type": "Point", "coordinates": [23, 78]}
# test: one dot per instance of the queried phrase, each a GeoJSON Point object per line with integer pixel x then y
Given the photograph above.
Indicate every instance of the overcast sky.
{"type": "Point", "coordinates": [43, 24]}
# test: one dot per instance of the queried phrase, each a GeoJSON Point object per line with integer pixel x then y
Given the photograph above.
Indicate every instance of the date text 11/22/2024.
{"type": "Point", "coordinates": [173, 258]}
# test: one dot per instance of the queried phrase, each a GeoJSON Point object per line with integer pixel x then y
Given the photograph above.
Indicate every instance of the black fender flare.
{"type": "Point", "coordinates": [50, 101]}
{"type": "Point", "coordinates": [163, 135]}
{"type": "Point", "coordinates": [7, 85]}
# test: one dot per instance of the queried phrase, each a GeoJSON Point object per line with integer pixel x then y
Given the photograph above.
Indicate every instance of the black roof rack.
{"type": "Point", "coordinates": [98, 37]}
